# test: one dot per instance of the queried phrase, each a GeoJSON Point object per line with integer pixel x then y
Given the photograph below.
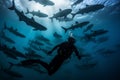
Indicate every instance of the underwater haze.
{"type": "Point", "coordinates": [29, 29]}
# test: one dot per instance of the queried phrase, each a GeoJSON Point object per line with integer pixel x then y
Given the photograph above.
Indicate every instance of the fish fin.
{"type": "Point", "coordinates": [44, 5]}
{"type": "Point", "coordinates": [76, 22]}
{"type": "Point", "coordinates": [72, 5]}
{"type": "Point", "coordinates": [27, 11]}
{"type": "Point", "coordinates": [65, 17]}
{"type": "Point", "coordinates": [64, 29]}
{"type": "Point", "coordinates": [22, 12]}
{"type": "Point", "coordinates": [39, 11]}
{"type": "Point", "coordinates": [60, 10]}
{"type": "Point", "coordinates": [20, 19]}
{"type": "Point", "coordinates": [13, 6]}
{"type": "Point", "coordinates": [51, 18]}
{"type": "Point", "coordinates": [32, 18]}
{"type": "Point", "coordinates": [87, 5]}
{"type": "Point", "coordinates": [73, 15]}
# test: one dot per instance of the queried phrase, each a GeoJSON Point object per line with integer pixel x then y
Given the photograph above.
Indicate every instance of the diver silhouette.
{"type": "Point", "coordinates": [64, 51]}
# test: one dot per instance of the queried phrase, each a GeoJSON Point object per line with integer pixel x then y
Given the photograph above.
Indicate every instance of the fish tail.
{"type": "Point", "coordinates": [51, 19]}
{"type": "Point", "coordinates": [64, 29]}
{"type": "Point", "coordinates": [73, 15]}
{"type": "Point", "coordinates": [13, 6]}
{"type": "Point", "coordinates": [27, 11]}
{"type": "Point", "coordinates": [72, 5]}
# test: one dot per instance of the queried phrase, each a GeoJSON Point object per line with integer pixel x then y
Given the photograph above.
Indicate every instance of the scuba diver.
{"type": "Point", "coordinates": [64, 51]}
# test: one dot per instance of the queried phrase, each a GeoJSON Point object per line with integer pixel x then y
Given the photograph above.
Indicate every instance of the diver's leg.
{"type": "Point", "coordinates": [44, 64]}
{"type": "Point", "coordinates": [55, 66]}
{"type": "Point", "coordinates": [54, 61]}
{"type": "Point", "coordinates": [38, 61]}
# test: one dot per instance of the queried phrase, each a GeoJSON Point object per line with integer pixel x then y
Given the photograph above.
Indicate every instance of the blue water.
{"type": "Point", "coordinates": [108, 18]}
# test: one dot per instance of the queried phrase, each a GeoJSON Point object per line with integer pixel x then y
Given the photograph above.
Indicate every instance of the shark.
{"type": "Point", "coordinates": [11, 52]}
{"type": "Point", "coordinates": [42, 38]}
{"type": "Point", "coordinates": [44, 2]}
{"type": "Point", "coordinates": [36, 42]}
{"type": "Point", "coordinates": [14, 31]}
{"type": "Point", "coordinates": [12, 73]}
{"type": "Point", "coordinates": [62, 19]}
{"type": "Point", "coordinates": [6, 38]}
{"type": "Point", "coordinates": [88, 8]}
{"type": "Point", "coordinates": [7, 52]}
{"type": "Point", "coordinates": [77, 25]}
{"type": "Point", "coordinates": [56, 35]}
{"type": "Point", "coordinates": [61, 13]}
{"type": "Point", "coordinates": [89, 27]}
{"type": "Point", "coordinates": [98, 32]}
{"type": "Point", "coordinates": [37, 13]}
{"type": "Point", "coordinates": [77, 2]}
{"type": "Point", "coordinates": [28, 21]}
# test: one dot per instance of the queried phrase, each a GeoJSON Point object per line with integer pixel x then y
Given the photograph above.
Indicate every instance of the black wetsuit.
{"type": "Point", "coordinates": [64, 52]}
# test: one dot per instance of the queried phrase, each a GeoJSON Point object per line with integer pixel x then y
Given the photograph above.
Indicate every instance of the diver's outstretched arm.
{"type": "Point", "coordinates": [50, 52]}
{"type": "Point", "coordinates": [77, 53]}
